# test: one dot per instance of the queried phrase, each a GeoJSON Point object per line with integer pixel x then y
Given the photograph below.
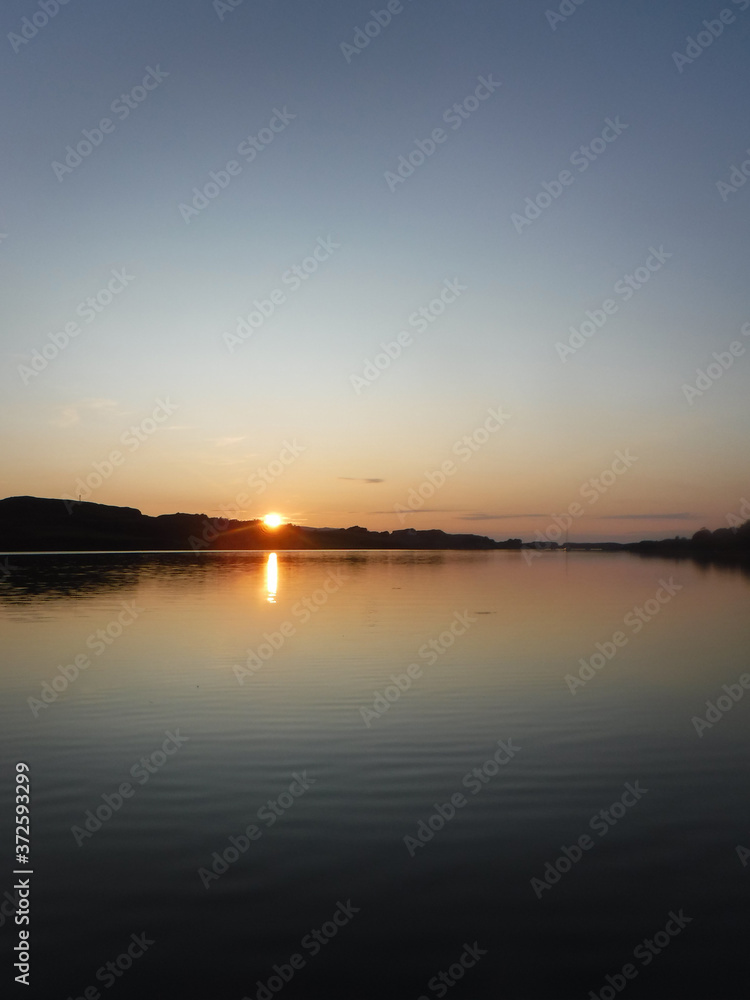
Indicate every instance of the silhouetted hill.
{"type": "Point", "coordinates": [33, 524]}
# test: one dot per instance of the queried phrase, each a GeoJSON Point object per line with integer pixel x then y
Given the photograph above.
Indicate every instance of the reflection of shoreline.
{"type": "Point", "coordinates": [61, 576]}
{"type": "Point", "coordinates": [737, 560]}
{"type": "Point", "coordinates": [66, 575]}
{"type": "Point", "coordinates": [674, 550]}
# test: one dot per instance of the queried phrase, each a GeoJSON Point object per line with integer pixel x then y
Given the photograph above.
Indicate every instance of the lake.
{"type": "Point", "coordinates": [379, 774]}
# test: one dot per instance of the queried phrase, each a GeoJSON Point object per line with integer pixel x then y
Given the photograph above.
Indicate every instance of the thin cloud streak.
{"type": "Point", "coordinates": [354, 479]}
{"type": "Point", "coordinates": [682, 516]}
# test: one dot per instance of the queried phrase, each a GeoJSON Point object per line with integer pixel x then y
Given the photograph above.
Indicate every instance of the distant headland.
{"type": "Point", "coordinates": [34, 524]}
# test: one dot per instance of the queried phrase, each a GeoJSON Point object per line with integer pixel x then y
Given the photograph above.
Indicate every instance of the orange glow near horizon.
{"type": "Point", "coordinates": [273, 520]}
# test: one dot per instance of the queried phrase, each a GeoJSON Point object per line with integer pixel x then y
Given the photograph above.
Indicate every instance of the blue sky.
{"type": "Point", "coordinates": [221, 76]}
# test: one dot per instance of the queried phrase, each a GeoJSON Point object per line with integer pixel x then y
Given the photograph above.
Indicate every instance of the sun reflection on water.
{"type": "Point", "coordinates": [272, 578]}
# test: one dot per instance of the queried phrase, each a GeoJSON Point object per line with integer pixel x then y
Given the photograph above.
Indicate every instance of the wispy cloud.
{"type": "Point", "coordinates": [681, 516]}
{"type": "Point", "coordinates": [422, 510]}
{"type": "Point", "coordinates": [497, 517]}
{"type": "Point", "coordinates": [353, 479]}
{"type": "Point", "coordinates": [67, 416]}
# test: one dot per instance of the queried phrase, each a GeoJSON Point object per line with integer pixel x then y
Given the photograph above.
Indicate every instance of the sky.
{"type": "Point", "coordinates": [452, 265]}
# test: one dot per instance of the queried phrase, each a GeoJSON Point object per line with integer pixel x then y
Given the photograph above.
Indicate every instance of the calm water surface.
{"type": "Point", "coordinates": [275, 678]}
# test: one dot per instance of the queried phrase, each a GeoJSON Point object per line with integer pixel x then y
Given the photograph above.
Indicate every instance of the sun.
{"type": "Point", "coordinates": [272, 520]}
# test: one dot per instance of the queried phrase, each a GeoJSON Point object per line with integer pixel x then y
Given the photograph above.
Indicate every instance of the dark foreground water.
{"type": "Point", "coordinates": [221, 812]}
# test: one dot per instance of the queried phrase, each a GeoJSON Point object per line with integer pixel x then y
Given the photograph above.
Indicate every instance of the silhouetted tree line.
{"type": "Point", "coordinates": [732, 544]}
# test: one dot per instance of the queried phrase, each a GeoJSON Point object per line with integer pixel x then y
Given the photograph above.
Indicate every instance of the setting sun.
{"type": "Point", "coordinates": [272, 520]}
